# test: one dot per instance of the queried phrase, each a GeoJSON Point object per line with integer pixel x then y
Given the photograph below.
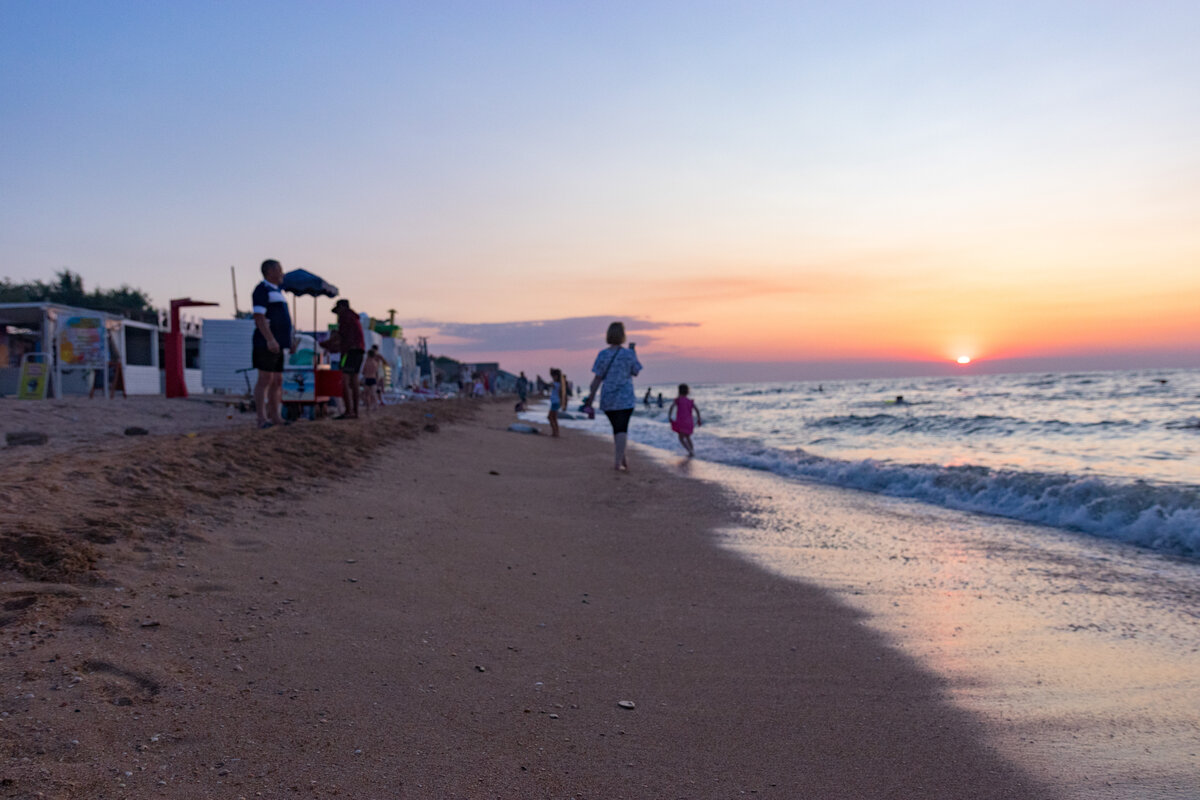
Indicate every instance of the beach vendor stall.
{"type": "Point", "coordinates": [54, 350]}
{"type": "Point", "coordinates": [307, 381]}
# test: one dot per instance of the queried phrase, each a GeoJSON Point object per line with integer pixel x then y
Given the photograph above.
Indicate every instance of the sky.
{"type": "Point", "coordinates": [760, 190]}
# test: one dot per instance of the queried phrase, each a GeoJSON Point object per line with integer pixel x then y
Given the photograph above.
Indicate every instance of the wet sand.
{"type": "Point", "coordinates": [437, 607]}
{"type": "Point", "coordinates": [1083, 655]}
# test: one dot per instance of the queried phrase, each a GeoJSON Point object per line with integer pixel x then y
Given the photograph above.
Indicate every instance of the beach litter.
{"type": "Point", "coordinates": [628, 705]}
{"type": "Point", "coordinates": [517, 427]}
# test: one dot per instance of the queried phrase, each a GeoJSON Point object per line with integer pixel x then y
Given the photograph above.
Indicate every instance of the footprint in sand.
{"type": "Point", "coordinates": [125, 682]}
{"type": "Point", "coordinates": [250, 545]}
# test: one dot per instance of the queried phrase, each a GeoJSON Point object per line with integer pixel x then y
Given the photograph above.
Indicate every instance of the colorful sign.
{"type": "Point", "coordinates": [81, 343]}
{"type": "Point", "coordinates": [34, 377]}
{"type": "Point", "coordinates": [298, 383]}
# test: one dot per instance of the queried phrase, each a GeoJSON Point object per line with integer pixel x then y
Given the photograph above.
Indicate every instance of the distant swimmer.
{"type": "Point", "coordinates": [899, 399]}
{"type": "Point", "coordinates": [646, 399]}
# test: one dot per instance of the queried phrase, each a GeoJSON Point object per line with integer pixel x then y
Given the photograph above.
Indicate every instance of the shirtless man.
{"type": "Point", "coordinates": [372, 366]}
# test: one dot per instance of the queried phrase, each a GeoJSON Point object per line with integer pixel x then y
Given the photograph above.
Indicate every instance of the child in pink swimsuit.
{"type": "Point", "coordinates": [680, 415]}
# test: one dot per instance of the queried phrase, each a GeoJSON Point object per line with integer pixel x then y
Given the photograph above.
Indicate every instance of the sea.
{"type": "Point", "coordinates": [1031, 539]}
{"type": "Point", "coordinates": [1112, 454]}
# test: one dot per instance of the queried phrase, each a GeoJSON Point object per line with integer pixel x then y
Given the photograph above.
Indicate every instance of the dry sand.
{"type": "Point", "coordinates": [100, 424]}
{"type": "Point", "coordinates": [425, 605]}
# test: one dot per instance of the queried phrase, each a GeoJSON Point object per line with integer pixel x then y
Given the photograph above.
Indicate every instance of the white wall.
{"type": "Point", "coordinates": [142, 380]}
{"type": "Point", "coordinates": [193, 379]}
{"type": "Point", "coordinates": [225, 347]}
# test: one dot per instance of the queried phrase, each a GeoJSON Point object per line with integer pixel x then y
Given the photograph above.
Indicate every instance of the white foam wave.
{"type": "Point", "coordinates": [1165, 518]}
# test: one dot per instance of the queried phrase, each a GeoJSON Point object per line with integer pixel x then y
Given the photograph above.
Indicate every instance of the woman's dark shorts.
{"type": "Point", "coordinates": [619, 419]}
{"type": "Point", "coordinates": [352, 361]}
{"type": "Point", "coordinates": [266, 361]}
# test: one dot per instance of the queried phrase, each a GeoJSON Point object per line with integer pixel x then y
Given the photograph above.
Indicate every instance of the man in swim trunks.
{"type": "Point", "coordinates": [372, 364]}
{"type": "Point", "coordinates": [353, 347]}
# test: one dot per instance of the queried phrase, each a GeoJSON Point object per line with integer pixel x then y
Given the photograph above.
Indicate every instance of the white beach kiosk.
{"type": "Point", "coordinates": [52, 349]}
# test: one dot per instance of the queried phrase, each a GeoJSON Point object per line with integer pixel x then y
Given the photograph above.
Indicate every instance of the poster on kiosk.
{"type": "Point", "coordinates": [82, 344]}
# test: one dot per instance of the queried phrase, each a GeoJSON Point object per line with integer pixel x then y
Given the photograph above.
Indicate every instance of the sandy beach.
{"type": "Point", "coordinates": [428, 605]}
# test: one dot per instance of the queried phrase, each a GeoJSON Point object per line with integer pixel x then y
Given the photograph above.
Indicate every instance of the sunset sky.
{"type": "Point", "coordinates": [762, 190]}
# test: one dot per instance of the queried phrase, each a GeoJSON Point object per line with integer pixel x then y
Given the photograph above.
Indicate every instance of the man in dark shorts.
{"type": "Point", "coordinates": [272, 335]}
{"type": "Point", "coordinates": [371, 371]}
{"type": "Point", "coordinates": [350, 335]}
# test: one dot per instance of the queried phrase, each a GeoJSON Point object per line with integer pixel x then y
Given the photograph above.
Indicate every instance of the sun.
{"type": "Point", "coordinates": [964, 359]}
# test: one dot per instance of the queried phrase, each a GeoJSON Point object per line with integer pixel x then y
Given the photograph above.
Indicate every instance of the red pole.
{"type": "Point", "coordinates": [175, 384]}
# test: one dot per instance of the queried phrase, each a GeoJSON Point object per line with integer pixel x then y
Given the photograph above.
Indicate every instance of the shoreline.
{"type": "Point", "coordinates": [1010, 448]}
{"type": "Point", "coordinates": [1076, 650]}
{"type": "Point", "coordinates": [461, 618]}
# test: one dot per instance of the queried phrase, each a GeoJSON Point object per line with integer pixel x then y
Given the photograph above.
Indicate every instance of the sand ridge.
{"type": "Point", "coordinates": [97, 486]}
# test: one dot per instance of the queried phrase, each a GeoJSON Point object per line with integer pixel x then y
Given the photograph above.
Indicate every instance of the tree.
{"type": "Point", "coordinates": [67, 288]}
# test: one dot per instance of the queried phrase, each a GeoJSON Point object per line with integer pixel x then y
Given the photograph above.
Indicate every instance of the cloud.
{"type": "Point", "coordinates": [572, 333]}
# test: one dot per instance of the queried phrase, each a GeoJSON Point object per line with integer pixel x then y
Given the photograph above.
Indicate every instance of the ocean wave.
{"type": "Point", "coordinates": [1096, 453]}
{"type": "Point", "coordinates": [1165, 518]}
{"type": "Point", "coordinates": [768, 391]}
{"type": "Point", "coordinates": [948, 424]}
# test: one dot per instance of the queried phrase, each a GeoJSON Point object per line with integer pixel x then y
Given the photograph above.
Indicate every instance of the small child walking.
{"type": "Point", "coordinates": [558, 398]}
{"type": "Point", "coordinates": [681, 416]}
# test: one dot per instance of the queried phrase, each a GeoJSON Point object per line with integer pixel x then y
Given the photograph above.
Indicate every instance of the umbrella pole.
{"type": "Point", "coordinates": [316, 358]}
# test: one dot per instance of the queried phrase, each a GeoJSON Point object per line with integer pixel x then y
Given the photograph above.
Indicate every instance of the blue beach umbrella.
{"type": "Point", "coordinates": [302, 282]}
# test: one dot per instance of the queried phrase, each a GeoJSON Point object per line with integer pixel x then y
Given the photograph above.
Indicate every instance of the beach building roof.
{"type": "Point", "coordinates": [34, 314]}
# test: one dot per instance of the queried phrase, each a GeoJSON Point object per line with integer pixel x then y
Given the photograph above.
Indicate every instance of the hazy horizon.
{"type": "Point", "coordinates": [667, 373]}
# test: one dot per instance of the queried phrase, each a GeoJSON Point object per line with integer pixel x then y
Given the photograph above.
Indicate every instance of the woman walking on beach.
{"type": "Point", "coordinates": [615, 369]}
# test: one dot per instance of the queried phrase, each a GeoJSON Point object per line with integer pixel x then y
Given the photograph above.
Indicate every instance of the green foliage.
{"type": "Point", "coordinates": [67, 288]}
